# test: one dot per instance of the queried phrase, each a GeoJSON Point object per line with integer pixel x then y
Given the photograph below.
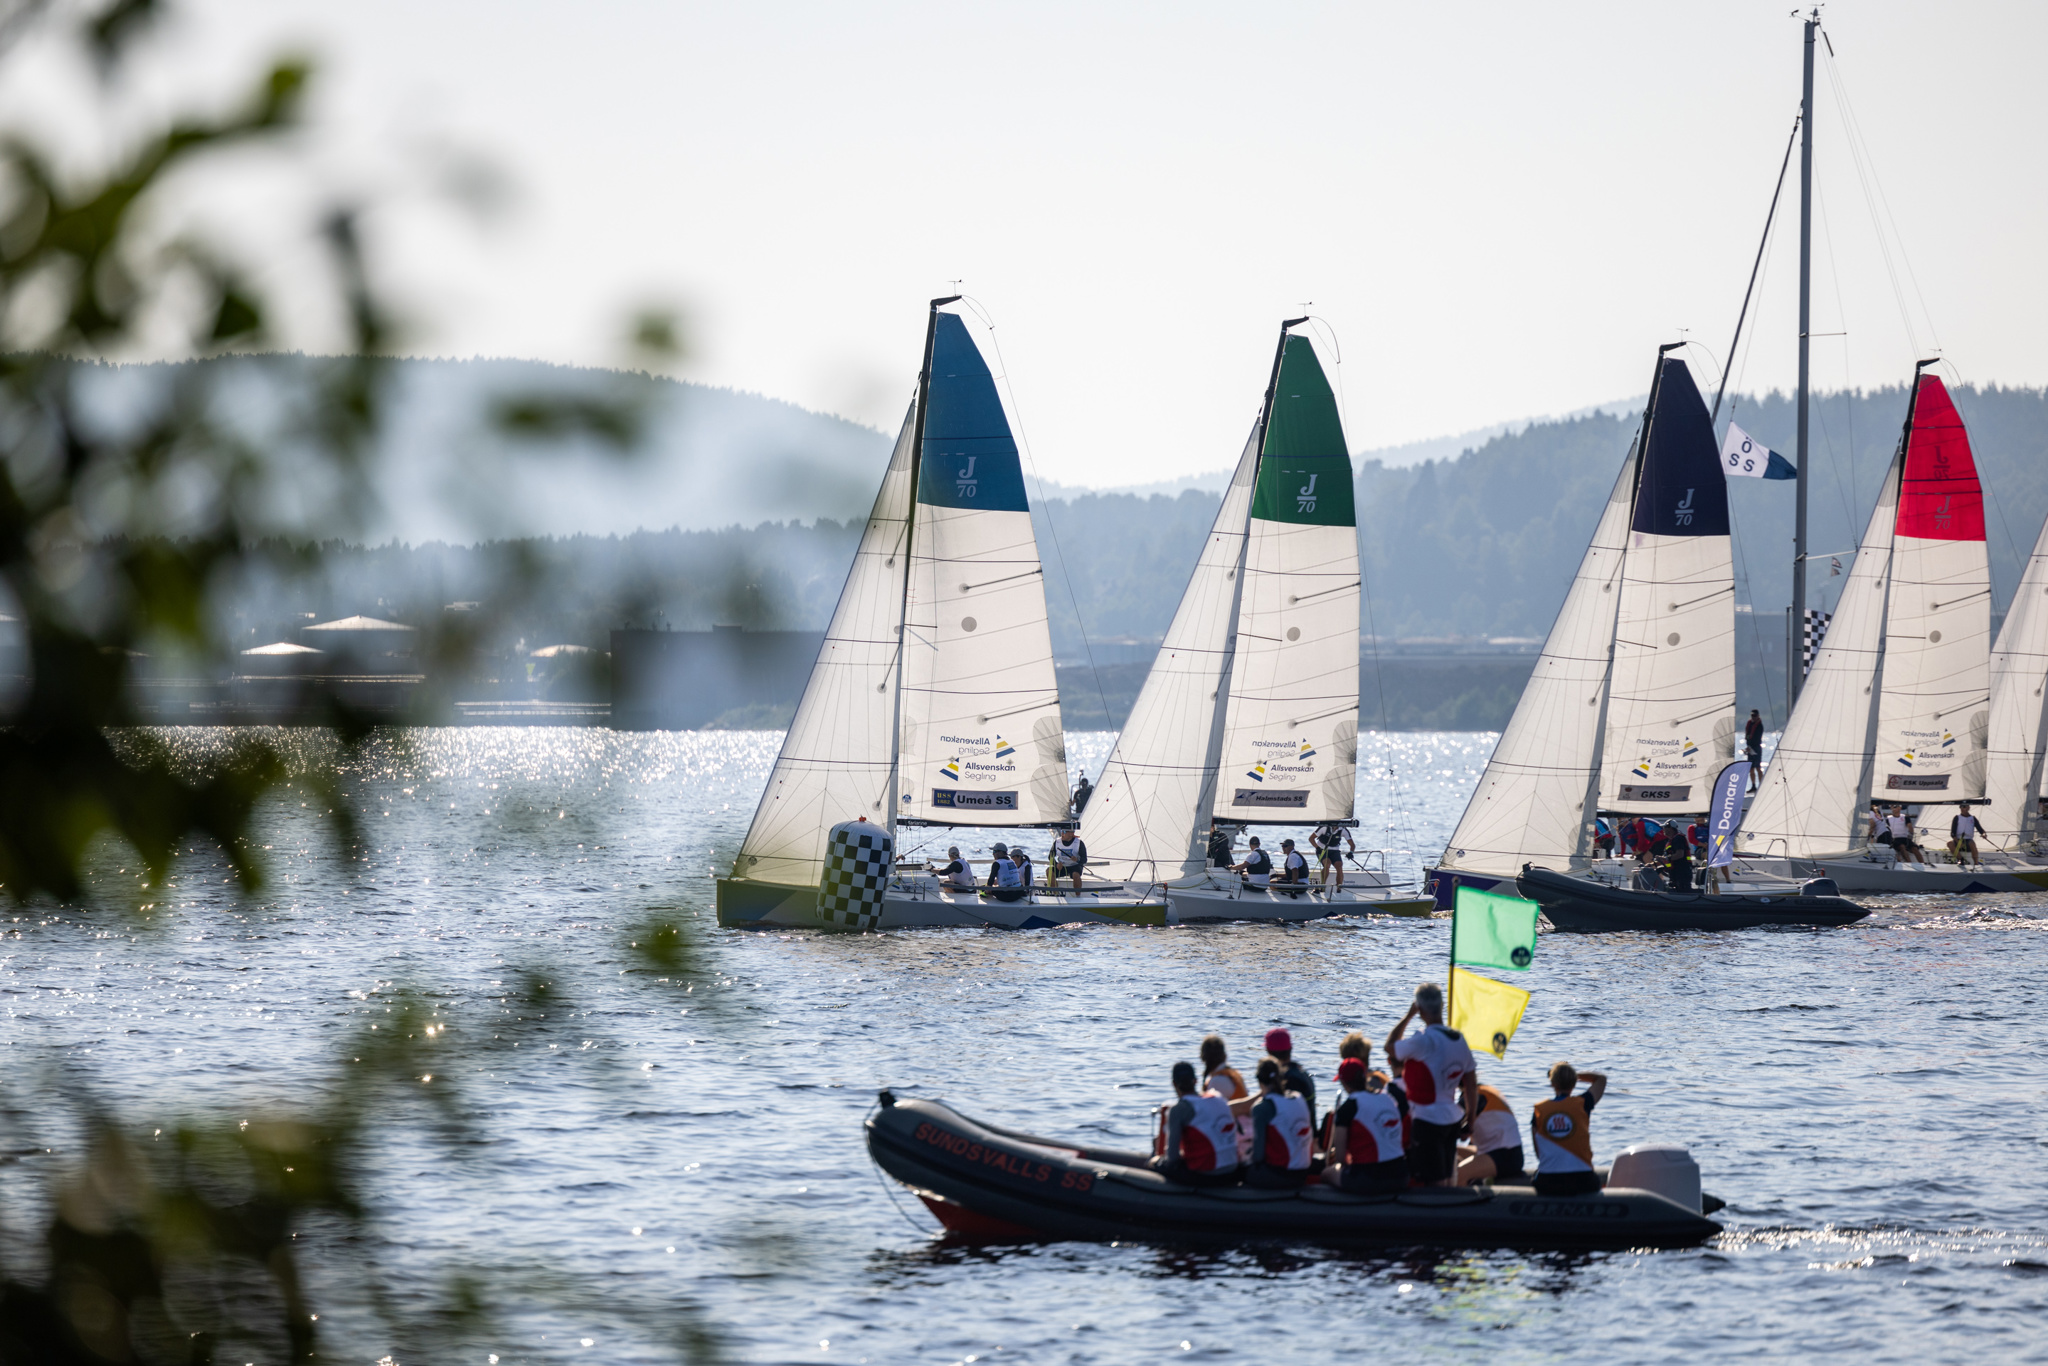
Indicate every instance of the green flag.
{"type": "Point", "coordinates": [1493, 931]}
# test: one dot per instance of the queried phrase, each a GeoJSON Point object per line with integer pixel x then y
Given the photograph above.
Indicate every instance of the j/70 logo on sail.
{"type": "Point", "coordinates": [1684, 509]}
{"type": "Point", "coordinates": [964, 480]}
{"type": "Point", "coordinates": [1305, 499]}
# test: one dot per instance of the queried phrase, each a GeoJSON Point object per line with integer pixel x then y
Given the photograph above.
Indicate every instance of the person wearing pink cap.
{"type": "Point", "coordinates": [1368, 1140]}
{"type": "Point", "coordinates": [1293, 1076]}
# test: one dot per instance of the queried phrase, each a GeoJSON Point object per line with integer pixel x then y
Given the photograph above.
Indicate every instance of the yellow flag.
{"type": "Point", "coordinates": [1486, 1012]}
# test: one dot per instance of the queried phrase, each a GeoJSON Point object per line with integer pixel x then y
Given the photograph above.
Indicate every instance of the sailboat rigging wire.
{"type": "Point", "coordinates": [1874, 197]}
{"type": "Point", "coordinates": [1024, 443]}
{"type": "Point", "coordinates": [1850, 500]}
{"type": "Point", "coordinates": [1736, 340]}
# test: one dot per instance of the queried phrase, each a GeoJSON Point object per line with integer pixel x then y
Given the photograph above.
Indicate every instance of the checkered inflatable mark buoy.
{"type": "Point", "coordinates": [857, 860]}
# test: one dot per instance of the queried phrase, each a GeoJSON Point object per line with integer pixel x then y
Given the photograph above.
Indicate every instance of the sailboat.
{"type": "Point", "coordinates": [933, 701]}
{"type": "Point", "coordinates": [2015, 778]}
{"type": "Point", "coordinates": [1249, 715]}
{"type": "Point", "coordinates": [1630, 709]}
{"type": "Point", "coordinates": [1897, 708]}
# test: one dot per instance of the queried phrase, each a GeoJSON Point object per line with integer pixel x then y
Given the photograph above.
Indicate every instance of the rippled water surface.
{"type": "Point", "coordinates": [1872, 1102]}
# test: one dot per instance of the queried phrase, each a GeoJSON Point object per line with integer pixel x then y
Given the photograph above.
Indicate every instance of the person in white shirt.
{"type": "Point", "coordinates": [1442, 1084]}
{"type": "Point", "coordinates": [956, 874]}
{"type": "Point", "coordinates": [1962, 836]}
{"type": "Point", "coordinates": [1904, 847]}
{"type": "Point", "coordinates": [1069, 857]}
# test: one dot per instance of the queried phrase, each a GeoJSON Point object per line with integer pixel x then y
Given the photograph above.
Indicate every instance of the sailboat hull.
{"type": "Point", "coordinates": [1223, 901]}
{"type": "Point", "coordinates": [923, 904]}
{"type": "Point", "coordinates": [1857, 873]}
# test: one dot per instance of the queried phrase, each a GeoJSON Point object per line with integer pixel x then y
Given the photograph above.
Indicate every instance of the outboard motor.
{"type": "Point", "coordinates": [1819, 886]}
{"type": "Point", "coordinates": [1665, 1169]}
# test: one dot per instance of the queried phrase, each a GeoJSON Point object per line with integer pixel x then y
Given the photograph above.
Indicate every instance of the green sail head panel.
{"type": "Point", "coordinates": [1304, 465]}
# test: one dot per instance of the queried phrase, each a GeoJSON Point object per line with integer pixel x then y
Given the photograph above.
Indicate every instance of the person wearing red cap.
{"type": "Point", "coordinates": [1293, 1076]}
{"type": "Point", "coordinates": [1368, 1140]}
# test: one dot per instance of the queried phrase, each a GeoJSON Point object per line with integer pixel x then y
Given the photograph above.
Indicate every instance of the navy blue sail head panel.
{"type": "Point", "coordinates": [969, 460]}
{"type": "Point", "coordinates": [1682, 491]}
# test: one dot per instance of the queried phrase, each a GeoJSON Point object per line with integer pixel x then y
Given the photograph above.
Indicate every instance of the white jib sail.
{"type": "Point", "coordinates": [980, 741]}
{"type": "Point", "coordinates": [838, 757]}
{"type": "Point", "coordinates": [1534, 803]}
{"type": "Point", "coordinates": [2019, 711]}
{"type": "Point", "coordinates": [1149, 815]}
{"type": "Point", "coordinates": [1290, 732]}
{"type": "Point", "coordinates": [1811, 802]}
{"type": "Point", "coordinates": [1671, 695]}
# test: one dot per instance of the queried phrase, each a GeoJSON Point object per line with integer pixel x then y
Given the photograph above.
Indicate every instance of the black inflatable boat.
{"type": "Point", "coordinates": [1576, 904]}
{"type": "Point", "coordinates": [992, 1184]}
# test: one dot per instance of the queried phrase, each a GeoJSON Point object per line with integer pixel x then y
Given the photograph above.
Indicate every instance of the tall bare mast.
{"type": "Point", "coordinates": [1795, 670]}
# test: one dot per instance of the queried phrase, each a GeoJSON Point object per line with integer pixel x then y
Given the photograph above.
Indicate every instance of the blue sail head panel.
{"type": "Point", "coordinates": [1682, 491]}
{"type": "Point", "coordinates": [969, 459]}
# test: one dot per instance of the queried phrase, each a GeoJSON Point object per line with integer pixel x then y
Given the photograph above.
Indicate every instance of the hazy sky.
{"type": "Point", "coordinates": [1500, 209]}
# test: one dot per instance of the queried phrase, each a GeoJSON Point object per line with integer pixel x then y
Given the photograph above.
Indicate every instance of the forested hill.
{"type": "Point", "coordinates": [1480, 545]}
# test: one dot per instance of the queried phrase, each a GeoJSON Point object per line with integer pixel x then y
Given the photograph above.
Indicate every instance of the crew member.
{"type": "Point", "coordinates": [1905, 841]}
{"type": "Point", "coordinates": [1962, 836]}
{"type": "Point", "coordinates": [1069, 857]}
{"type": "Point", "coordinates": [1326, 840]}
{"type": "Point", "coordinates": [1495, 1154]}
{"type": "Point", "coordinates": [1442, 1086]}
{"type": "Point", "coordinates": [1217, 1073]}
{"type": "Point", "coordinates": [1005, 882]}
{"type": "Point", "coordinates": [1201, 1136]}
{"type": "Point", "coordinates": [1562, 1129]}
{"type": "Point", "coordinates": [1282, 1134]}
{"type": "Point", "coordinates": [1293, 867]}
{"type": "Point", "coordinates": [1257, 866]}
{"type": "Point", "coordinates": [1293, 1076]}
{"type": "Point", "coordinates": [1753, 748]}
{"type": "Point", "coordinates": [1603, 838]}
{"type": "Point", "coordinates": [957, 874]}
{"type": "Point", "coordinates": [1367, 1156]}
{"type": "Point", "coordinates": [1082, 792]}
{"type": "Point", "coordinates": [1220, 853]}
{"type": "Point", "coordinates": [1020, 856]}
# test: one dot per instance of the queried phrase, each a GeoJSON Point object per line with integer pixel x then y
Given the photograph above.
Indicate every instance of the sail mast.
{"type": "Point", "coordinates": [1794, 644]}
{"type": "Point", "coordinates": [924, 389]}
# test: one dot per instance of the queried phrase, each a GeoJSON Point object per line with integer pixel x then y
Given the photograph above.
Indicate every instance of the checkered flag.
{"type": "Point", "coordinates": [1816, 631]}
{"type": "Point", "coordinates": [857, 862]}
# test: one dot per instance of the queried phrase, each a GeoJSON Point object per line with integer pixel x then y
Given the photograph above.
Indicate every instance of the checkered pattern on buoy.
{"type": "Point", "coordinates": [857, 860]}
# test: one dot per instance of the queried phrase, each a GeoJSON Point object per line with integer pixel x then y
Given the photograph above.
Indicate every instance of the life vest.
{"type": "Point", "coordinates": [1232, 1087]}
{"type": "Point", "coordinates": [1069, 855]}
{"type": "Point", "coordinates": [1007, 874]}
{"type": "Point", "coordinates": [1258, 863]}
{"type": "Point", "coordinates": [1965, 827]}
{"type": "Point", "coordinates": [1287, 1139]}
{"type": "Point", "coordinates": [1378, 1129]}
{"type": "Point", "coordinates": [1297, 866]}
{"type": "Point", "coordinates": [1564, 1135]}
{"type": "Point", "coordinates": [1494, 1126]}
{"type": "Point", "coordinates": [1432, 1064]}
{"type": "Point", "coordinates": [1208, 1141]}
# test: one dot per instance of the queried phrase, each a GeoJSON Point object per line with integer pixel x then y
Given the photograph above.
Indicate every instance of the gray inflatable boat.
{"type": "Point", "coordinates": [988, 1184]}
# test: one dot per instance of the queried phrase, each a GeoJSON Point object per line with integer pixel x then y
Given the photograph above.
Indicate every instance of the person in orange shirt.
{"type": "Point", "coordinates": [1562, 1129]}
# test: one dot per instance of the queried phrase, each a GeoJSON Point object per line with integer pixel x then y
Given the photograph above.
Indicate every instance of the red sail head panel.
{"type": "Point", "coordinates": [1940, 499]}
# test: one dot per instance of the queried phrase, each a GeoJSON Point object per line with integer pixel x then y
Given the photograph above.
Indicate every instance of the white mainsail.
{"type": "Point", "coordinates": [1811, 800]}
{"type": "Point", "coordinates": [2019, 711]}
{"type": "Point", "coordinates": [1534, 803]}
{"type": "Point", "coordinates": [839, 755]}
{"type": "Point", "coordinates": [1290, 733]}
{"type": "Point", "coordinates": [1148, 816]}
{"type": "Point", "coordinates": [1671, 693]}
{"type": "Point", "coordinates": [980, 741]}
